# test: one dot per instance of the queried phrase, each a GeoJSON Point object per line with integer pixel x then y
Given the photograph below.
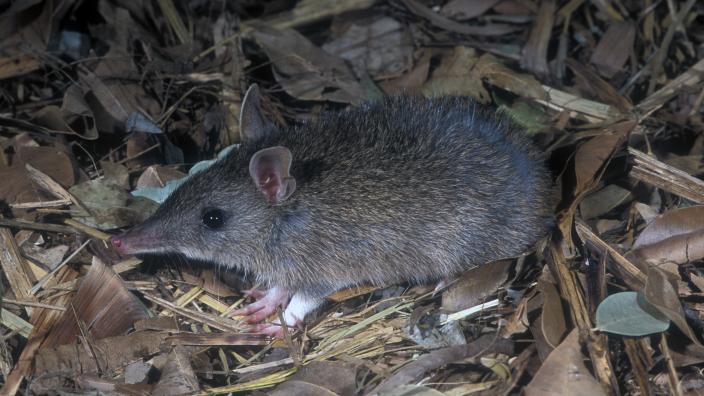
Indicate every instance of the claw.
{"type": "Point", "coordinates": [254, 293]}
{"type": "Point", "coordinates": [270, 329]}
{"type": "Point", "coordinates": [275, 329]}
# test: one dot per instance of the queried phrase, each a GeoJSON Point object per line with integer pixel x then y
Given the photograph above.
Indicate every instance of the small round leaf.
{"type": "Point", "coordinates": [629, 314]}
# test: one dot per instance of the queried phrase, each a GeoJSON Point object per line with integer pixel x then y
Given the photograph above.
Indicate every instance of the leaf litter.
{"type": "Point", "coordinates": [107, 106]}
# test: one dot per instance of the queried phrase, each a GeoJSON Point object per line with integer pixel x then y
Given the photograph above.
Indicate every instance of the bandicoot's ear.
{"type": "Point", "coordinates": [253, 126]}
{"type": "Point", "coordinates": [269, 169]}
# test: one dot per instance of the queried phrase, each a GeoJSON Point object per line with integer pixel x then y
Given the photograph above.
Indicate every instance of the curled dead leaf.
{"type": "Point", "coordinates": [564, 373]}
{"type": "Point", "coordinates": [306, 71]}
{"type": "Point", "coordinates": [661, 292]}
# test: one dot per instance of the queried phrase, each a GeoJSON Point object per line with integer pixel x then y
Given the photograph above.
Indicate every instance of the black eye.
{"type": "Point", "coordinates": [214, 218]}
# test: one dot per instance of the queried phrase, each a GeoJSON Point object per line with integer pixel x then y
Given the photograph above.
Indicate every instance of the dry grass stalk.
{"type": "Point", "coordinates": [260, 383]}
{"type": "Point", "coordinates": [218, 339]}
{"type": "Point", "coordinates": [32, 304]}
{"type": "Point", "coordinates": [17, 271]}
{"type": "Point", "coordinates": [659, 174]}
{"type": "Point", "coordinates": [629, 272]}
{"type": "Point", "coordinates": [43, 321]}
{"type": "Point", "coordinates": [571, 290]}
{"type": "Point", "coordinates": [44, 204]}
{"type": "Point", "coordinates": [203, 318]}
{"type": "Point", "coordinates": [591, 110]}
{"type": "Point", "coordinates": [48, 277]}
{"type": "Point", "coordinates": [90, 231]}
{"type": "Point", "coordinates": [687, 80]}
{"type": "Point", "coordinates": [50, 185]}
{"type": "Point", "coordinates": [15, 323]}
{"type": "Point", "coordinates": [536, 49]}
{"type": "Point", "coordinates": [28, 225]}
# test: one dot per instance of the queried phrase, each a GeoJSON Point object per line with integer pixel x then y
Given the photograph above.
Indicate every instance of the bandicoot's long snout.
{"type": "Point", "coordinates": [123, 244]}
{"type": "Point", "coordinates": [135, 241]}
{"type": "Point", "coordinates": [118, 244]}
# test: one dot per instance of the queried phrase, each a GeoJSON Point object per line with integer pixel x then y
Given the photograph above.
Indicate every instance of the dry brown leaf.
{"type": "Point", "coordinates": [515, 7]}
{"type": "Point", "coordinates": [587, 79]}
{"type": "Point", "coordinates": [118, 63]}
{"type": "Point", "coordinates": [496, 73]}
{"type": "Point", "coordinates": [454, 77]}
{"type": "Point", "coordinates": [47, 257]}
{"type": "Point", "coordinates": [158, 176]}
{"type": "Point", "coordinates": [692, 164]}
{"type": "Point", "coordinates": [688, 355]}
{"type": "Point", "coordinates": [592, 156]}
{"type": "Point", "coordinates": [647, 212]}
{"type": "Point", "coordinates": [676, 236]}
{"type": "Point", "coordinates": [111, 353]}
{"type": "Point", "coordinates": [309, 11]}
{"type": "Point", "coordinates": [535, 51]}
{"type": "Point", "coordinates": [382, 47]}
{"type": "Point", "coordinates": [475, 285]}
{"type": "Point", "coordinates": [103, 303]}
{"type": "Point", "coordinates": [415, 370]}
{"type": "Point", "coordinates": [661, 291]}
{"type": "Point", "coordinates": [110, 206]}
{"type": "Point", "coordinates": [295, 387]}
{"type": "Point", "coordinates": [26, 28]}
{"type": "Point", "coordinates": [489, 29]}
{"type": "Point", "coordinates": [65, 120]}
{"type": "Point", "coordinates": [306, 71]}
{"type": "Point", "coordinates": [210, 280]}
{"type": "Point", "coordinates": [116, 173]}
{"type": "Point", "coordinates": [463, 10]}
{"type": "Point", "coordinates": [672, 223]}
{"type": "Point", "coordinates": [177, 376]}
{"type": "Point", "coordinates": [322, 378]}
{"type": "Point", "coordinates": [552, 321]}
{"type": "Point", "coordinates": [604, 226]}
{"type": "Point", "coordinates": [88, 382]}
{"type": "Point", "coordinates": [18, 188]}
{"type": "Point", "coordinates": [518, 323]}
{"type": "Point", "coordinates": [113, 106]}
{"type": "Point", "coordinates": [604, 201]}
{"type": "Point", "coordinates": [564, 373]}
{"type": "Point", "coordinates": [614, 48]}
{"type": "Point", "coordinates": [411, 81]}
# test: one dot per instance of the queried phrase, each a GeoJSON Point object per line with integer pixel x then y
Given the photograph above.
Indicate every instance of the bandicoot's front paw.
{"type": "Point", "coordinates": [256, 311]}
{"type": "Point", "coordinates": [266, 305]}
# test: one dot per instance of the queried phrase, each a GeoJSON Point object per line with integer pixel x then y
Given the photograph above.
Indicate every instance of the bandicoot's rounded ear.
{"type": "Point", "coordinates": [269, 169]}
{"type": "Point", "coordinates": [253, 126]}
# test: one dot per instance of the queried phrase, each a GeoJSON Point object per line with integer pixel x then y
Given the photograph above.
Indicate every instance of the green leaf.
{"type": "Point", "coordinates": [629, 314]}
{"type": "Point", "coordinates": [159, 194]}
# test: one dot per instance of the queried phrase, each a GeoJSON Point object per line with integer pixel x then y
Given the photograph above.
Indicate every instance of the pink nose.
{"type": "Point", "coordinates": [116, 242]}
